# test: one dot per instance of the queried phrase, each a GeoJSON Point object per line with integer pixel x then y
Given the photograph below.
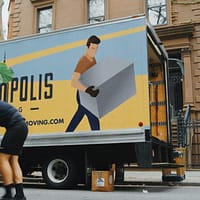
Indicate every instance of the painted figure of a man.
{"type": "Point", "coordinates": [85, 63]}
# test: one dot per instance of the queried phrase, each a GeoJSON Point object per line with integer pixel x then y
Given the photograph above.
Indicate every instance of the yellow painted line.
{"type": "Point", "coordinates": [27, 57]}
{"type": "Point", "coordinates": [122, 33]}
{"type": "Point", "coordinates": [46, 52]}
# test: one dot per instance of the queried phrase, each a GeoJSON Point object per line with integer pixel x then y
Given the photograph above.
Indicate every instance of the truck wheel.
{"type": "Point", "coordinates": [59, 172]}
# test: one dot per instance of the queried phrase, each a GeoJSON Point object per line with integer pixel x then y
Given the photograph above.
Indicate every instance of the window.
{"type": "Point", "coordinates": [96, 11]}
{"type": "Point", "coordinates": [157, 12]}
{"type": "Point", "coordinates": [44, 19]}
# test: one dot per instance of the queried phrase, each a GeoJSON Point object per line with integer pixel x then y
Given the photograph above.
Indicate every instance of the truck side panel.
{"type": "Point", "coordinates": [44, 64]}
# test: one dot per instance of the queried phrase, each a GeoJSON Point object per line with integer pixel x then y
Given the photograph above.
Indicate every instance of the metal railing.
{"type": "Point", "coordinates": [188, 136]}
{"type": "Point", "coordinates": [183, 126]}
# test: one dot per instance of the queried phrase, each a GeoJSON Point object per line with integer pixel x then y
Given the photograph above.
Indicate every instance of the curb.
{"type": "Point", "coordinates": [147, 184]}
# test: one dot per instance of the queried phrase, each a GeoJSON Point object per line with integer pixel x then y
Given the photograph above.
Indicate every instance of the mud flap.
{"type": "Point", "coordinates": [143, 154]}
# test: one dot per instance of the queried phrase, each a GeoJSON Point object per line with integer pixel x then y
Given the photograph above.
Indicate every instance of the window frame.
{"type": "Point", "coordinates": [89, 19]}
{"type": "Point", "coordinates": [41, 5]}
{"type": "Point", "coordinates": [148, 8]}
{"type": "Point", "coordinates": [38, 18]}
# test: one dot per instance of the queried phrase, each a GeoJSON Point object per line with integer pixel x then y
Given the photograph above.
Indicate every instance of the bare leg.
{"type": "Point", "coordinates": [17, 172]}
{"type": "Point", "coordinates": [18, 177]}
{"type": "Point", "coordinates": [6, 169]}
{"type": "Point", "coordinates": [7, 174]}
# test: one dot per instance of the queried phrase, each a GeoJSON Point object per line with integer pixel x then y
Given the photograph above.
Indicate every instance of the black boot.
{"type": "Point", "coordinates": [19, 192]}
{"type": "Point", "coordinates": [8, 192]}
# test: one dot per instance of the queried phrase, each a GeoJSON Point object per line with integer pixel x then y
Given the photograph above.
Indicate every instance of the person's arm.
{"type": "Point", "coordinates": [78, 85]}
{"type": "Point", "coordinates": [75, 82]}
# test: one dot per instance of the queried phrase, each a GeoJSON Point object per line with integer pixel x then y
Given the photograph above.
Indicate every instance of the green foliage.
{"type": "Point", "coordinates": [6, 73]}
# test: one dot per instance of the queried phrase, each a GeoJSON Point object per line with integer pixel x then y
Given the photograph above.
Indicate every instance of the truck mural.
{"type": "Point", "coordinates": [43, 71]}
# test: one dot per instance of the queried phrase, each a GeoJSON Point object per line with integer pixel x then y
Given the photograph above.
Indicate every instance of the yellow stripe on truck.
{"type": "Point", "coordinates": [46, 52]}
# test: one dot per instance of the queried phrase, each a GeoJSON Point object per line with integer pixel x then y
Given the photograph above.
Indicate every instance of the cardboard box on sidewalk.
{"type": "Point", "coordinates": [103, 181]}
{"type": "Point", "coordinates": [115, 79]}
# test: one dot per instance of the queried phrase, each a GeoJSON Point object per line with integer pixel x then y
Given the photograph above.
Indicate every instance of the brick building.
{"type": "Point", "coordinates": [177, 22]}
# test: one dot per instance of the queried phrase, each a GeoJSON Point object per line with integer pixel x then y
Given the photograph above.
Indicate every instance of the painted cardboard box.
{"type": "Point", "coordinates": [115, 79]}
{"type": "Point", "coordinates": [103, 181]}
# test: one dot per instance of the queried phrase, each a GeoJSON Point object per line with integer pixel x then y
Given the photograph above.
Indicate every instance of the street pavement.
{"type": "Point", "coordinates": [144, 185]}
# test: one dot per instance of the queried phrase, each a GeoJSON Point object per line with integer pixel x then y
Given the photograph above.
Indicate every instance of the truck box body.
{"type": "Point", "coordinates": [44, 64]}
{"type": "Point", "coordinates": [131, 75]}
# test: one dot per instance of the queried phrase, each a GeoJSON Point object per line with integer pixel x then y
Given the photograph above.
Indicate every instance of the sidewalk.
{"type": "Point", "coordinates": [155, 177]}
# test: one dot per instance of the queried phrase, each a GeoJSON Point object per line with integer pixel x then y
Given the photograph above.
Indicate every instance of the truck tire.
{"type": "Point", "coordinates": [59, 172]}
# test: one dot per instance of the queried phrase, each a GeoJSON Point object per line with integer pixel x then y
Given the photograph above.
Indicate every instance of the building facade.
{"type": "Point", "coordinates": [1, 23]}
{"type": "Point", "coordinates": [177, 23]}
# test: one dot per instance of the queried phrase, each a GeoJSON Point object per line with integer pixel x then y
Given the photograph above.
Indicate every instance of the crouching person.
{"type": "Point", "coordinates": [10, 150]}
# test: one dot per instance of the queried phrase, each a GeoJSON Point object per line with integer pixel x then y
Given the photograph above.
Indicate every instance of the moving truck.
{"type": "Point", "coordinates": [132, 106]}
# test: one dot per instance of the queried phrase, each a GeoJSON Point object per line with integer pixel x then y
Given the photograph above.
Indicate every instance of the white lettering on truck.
{"type": "Point", "coordinates": [41, 122]}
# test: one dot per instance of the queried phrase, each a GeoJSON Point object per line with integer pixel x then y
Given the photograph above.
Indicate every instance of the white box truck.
{"type": "Point", "coordinates": [132, 105]}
